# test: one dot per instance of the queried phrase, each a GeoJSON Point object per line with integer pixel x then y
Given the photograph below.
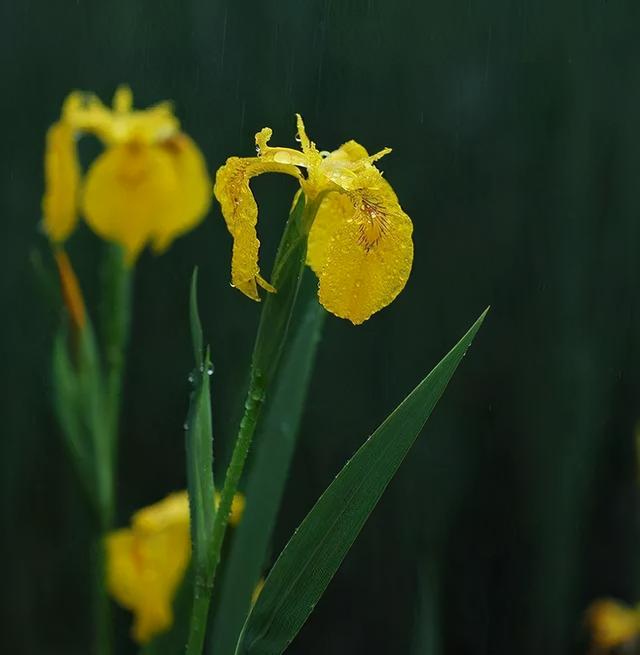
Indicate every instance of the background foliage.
{"type": "Point", "coordinates": [515, 129]}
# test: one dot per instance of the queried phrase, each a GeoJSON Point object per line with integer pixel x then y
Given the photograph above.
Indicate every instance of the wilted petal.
{"type": "Point", "coordinates": [360, 247]}
{"type": "Point", "coordinates": [240, 212]}
{"type": "Point", "coordinates": [62, 178]}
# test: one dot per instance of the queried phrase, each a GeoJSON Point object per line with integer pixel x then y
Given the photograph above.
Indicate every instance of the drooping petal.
{"type": "Point", "coordinates": [192, 198]}
{"type": "Point", "coordinates": [128, 191]}
{"type": "Point", "coordinates": [240, 213]}
{"type": "Point", "coordinates": [62, 178]}
{"type": "Point", "coordinates": [361, 249]}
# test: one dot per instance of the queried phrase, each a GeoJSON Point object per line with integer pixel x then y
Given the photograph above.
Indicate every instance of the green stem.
{"type": "Point", "coordinates": [199, 616]}
{"type": "Point", "coordinates": [252, 409]}
{"type": "Point", "coordinates": [116, 322]}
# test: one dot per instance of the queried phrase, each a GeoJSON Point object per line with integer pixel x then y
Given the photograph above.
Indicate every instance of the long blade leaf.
{"type": "Point", "coordinates": [199, 446]}
{"type": "Point", "coordinates": [316, 550]}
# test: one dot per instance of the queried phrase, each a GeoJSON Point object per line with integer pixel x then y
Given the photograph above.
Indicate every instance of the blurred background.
{"type": "Point", "coordinates": [515, 129]}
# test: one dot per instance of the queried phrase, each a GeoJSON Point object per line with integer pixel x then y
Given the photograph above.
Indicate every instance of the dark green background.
{"type": "Point", "coordinates": [516, 136]}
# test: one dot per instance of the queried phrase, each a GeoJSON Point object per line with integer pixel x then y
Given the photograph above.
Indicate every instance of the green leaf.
{"type": "Point", "coordinates": [66, 403]}
{"type": "Point", "coordinates": [194, 316]}
{"type": "Point", "coordinates": [79, 404]}
{"type": "Point", "coordinates": [199, 444]}
{"type": "Point", "coordinates": [310, 559]}
{"type": "Point", "coordinates": [96, 421]}
{"type": "Point", "coordinates": [276, 441]}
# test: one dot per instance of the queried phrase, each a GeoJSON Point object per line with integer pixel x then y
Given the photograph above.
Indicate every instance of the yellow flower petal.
{"type": "Point", "coordinates": [143, 573]}
{"type": "Point", "coordinates": [62, 177]}
{"type": "Point", "coordinates": [146, 563]}
{"type": "Point", "coordinates": [129, 190]}
{"type": "Point", "coordinates": [361, 249]}
{"type": "Point", "coordinates": [240, 213]}
{"type": "Point", "coordinates": [335, 210]}
{"type": "Point", "coordinates": [612, 623]}
{"type": "Point", "coordinates": [192, 199]}
{"type": "Point", "coordinates": [86, 113]}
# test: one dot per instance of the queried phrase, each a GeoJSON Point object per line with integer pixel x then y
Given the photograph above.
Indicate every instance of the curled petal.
{"type": "Point", "coordinates": [361, 249]}
{"type": "Point", "coordinates": [62, 177]}
{"type": "Point", "coordinates": [192, 197]}
{"type": "Point", "coordinates": [240, 213]}
{"type": "Point", "coordinates": [129, 190]}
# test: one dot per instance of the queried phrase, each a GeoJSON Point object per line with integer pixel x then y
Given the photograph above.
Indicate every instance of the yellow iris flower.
{"type": "Point", "coordinates": [148, 186]}
{"type": "Point", "coordinates": [359, 245]}
{"type": "Point", "coordinates": [146, 562]}
{"type": "Point", "coordinates": [612, 624]}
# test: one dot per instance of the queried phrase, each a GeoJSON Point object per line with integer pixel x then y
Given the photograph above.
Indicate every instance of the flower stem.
{"type": "Point", "coordinates": [252, 409]}
{"type": "Point", "coordinates": [115, 333]}
{"type": "Point", "coordinates": [115, 325]}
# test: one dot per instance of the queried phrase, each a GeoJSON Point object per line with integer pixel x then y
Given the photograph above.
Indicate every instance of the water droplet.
{"type": "Point", "coordinates": [191, 378]}
{"type": "Point", "coordinates": [185, 427]}
{"type": "Point", "coordinates": [298, 139]}
{"type": "Point", "coordinates": [210, 369]}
